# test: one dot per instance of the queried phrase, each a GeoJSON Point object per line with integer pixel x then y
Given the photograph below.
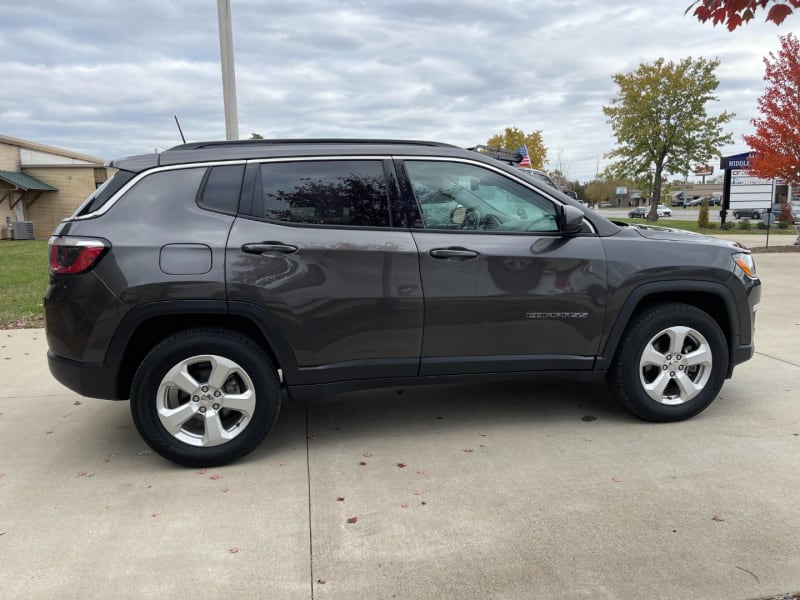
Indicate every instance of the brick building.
{"type": "Point", "coordinates": [42, 185]}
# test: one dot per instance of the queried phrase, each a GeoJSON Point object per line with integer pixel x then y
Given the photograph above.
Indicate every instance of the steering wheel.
{"type": "Point", "coordinates": [472, 219]}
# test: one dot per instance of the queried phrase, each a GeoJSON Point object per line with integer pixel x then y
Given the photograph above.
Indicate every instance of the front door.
{"type": "Point", "coordinates": [504, 290]}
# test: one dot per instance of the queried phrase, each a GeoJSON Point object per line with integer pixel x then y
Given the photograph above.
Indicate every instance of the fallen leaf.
{"type": "Point", "coordinates": [225, 490]}
{"type": "Point", "coordinates": [615, 479]}
{"type": "Point", "coordinates": [367, 454]}
{"type": "Point", "coordinates": [352, 520]}
{"type": "Point", "coordinates": [340, 499]}
{"type": "Point", "coordinates": [482, 434]}
{"type": "Point", "coordinates": [214, 477]}
{"type": "Point", "coordinates": [144, 453]}
{"type": "Point", "coordinates": [77, 403]}
{"type": "Point", "coordinates": [2, 532]}
{"type": "Point", "coordinates": [588, 418]}
{"type": "Point", "coordinates": [401, 465]}
{"type": "Point", "coordinates": [363, 464]}
{"type": "Point", "coordinates": [66, 415]}
{"type": "Point", "coordinates": [202, 471]}
{"type": "Point", "coordinates": [156, 514]}
{"type": "Point", "coordinates": [82, 473]}
{"type": "Point", "coordinates": [467, 449]}
{"type": "Point", "coordinates": [233, 550]}
{"type": "Point", "coordinates": [423, 503]}
{"type": "Point", "coordinates": [419, 492]}
{"type": "Point", "coordinates": [420, 472]}
{"type": "Point", "coordinates": [48, 431]}
{"type": "Point", "coordinates": [404, 505]}
{"type": "Point", "coordinates": [321, 581]}
{"type": "Point", "coordinates": [718, 519]}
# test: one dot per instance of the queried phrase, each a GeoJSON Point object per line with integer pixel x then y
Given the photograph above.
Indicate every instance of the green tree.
{"type": "Point", "coordinates": [256, 136]}
{"type": "Point", "coordinates": [659, 119]}
{"type": "Point", "coordinates": [513, 138]}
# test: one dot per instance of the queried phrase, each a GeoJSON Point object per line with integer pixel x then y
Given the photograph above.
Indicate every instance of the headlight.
{"type": "Point", "coordinates": [744, 262]}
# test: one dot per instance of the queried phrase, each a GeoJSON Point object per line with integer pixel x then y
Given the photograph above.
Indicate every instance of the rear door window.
{"type": "Point", "coordinates": [333, 192]}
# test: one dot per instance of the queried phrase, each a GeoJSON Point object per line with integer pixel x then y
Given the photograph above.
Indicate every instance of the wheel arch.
{"type": "Point", "coordinates": [713, 298]}
{"type": "Point", "coordinates": [145, 326]}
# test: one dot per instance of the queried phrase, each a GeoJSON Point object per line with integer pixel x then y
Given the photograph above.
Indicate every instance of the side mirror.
{"type": "Point", "coordinates": [571, 219]}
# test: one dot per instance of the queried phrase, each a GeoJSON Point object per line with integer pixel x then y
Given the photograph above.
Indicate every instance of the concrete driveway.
{"type": "Point", "coordinates": [535, 490]}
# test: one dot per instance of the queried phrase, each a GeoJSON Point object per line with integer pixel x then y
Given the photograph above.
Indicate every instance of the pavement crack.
{"type": "Point", "coordinates": [308, 479]}
{"type": "Point", "coordinates": [783, 360]}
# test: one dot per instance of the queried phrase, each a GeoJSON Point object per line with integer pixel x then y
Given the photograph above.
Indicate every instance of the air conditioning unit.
{"type": "Point", "coordinates": [22, 230]}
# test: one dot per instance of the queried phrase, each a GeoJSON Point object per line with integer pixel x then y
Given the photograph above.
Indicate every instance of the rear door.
{"type": "Point", "coordinates": [504, 290]}
{"type": "Point", "coordinates": [314, 249]}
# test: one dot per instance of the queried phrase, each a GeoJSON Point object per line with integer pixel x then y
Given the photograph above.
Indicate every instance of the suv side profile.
{"type": "Point", "coordinates": [203, 281]}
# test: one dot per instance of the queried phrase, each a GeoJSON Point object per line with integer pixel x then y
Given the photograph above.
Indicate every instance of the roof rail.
{"type": "Point", "coordinates": [510, 156]}
{"type": "Point", "coordinates": [307, 141]}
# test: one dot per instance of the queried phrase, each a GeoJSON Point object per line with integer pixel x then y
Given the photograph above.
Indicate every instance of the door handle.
{"type": "Point", "coordinates": [262, 247]}
{"type": "Point", "coordinates": [461, 253]}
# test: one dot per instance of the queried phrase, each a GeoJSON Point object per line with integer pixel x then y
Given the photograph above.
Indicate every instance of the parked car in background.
{"type": "Point", "coordinates": [795, 209]}
{"type": "Point", "coordinates": [641, 212]}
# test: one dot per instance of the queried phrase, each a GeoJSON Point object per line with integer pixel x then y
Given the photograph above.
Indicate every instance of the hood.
{"type": "Point", "coordinates": [667, 234]}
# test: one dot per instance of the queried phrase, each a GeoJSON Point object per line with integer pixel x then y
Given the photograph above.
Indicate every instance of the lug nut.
{"type": "Point", "coordinates": [215, 407]}
{"type": "Point", "coordinates": [678, 357]}
{"type": "Point", "coordinates": [204, 388]}
{"type": "Point", "coordinates": [672, 373]}
{"type": "Point", "coordinates": [681, 367]}
{"type": "Point", "coordinates": [202, 409]}
{"type": "Point", "coordinates": [195, 398]}
{"type": "Point", "coordinates": [217, 394]}
{"type": "Point", "coordinates": [665, 367]}
{"type": "Point", "coordinates": [669, 356]}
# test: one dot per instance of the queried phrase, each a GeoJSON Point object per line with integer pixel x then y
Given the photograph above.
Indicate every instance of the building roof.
{"type": "Point", "coordinates": [25, 182]}
{"type": "Point", "coordinates": [36, 147]}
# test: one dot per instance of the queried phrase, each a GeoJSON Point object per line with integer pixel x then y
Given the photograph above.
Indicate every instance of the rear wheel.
{"type": "Point", "coordinates": [671, 363]}
{"type": "Point", "coordinates": [205, 397]}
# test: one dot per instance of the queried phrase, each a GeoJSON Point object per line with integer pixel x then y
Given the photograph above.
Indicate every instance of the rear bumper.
{"type": "Point", "coordinates": [87, 379]}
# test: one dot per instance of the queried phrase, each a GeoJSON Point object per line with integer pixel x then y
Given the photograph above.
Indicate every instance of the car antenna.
{"type": "Point", "coordinates": [178, 123]}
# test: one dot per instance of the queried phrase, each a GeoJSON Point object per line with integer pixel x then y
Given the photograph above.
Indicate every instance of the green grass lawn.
{"type": "Point", "coordinates": [692, 226]}
{"type": "Point", "coordinates": [23, 279]}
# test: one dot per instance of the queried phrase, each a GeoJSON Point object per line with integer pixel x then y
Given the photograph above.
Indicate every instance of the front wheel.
{"type": "Point", "coordinates": [671, 363]}
{"type": "Point", "coordinates": [205, 397]}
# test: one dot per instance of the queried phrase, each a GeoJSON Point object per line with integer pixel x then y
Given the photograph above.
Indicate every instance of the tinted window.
{"type": "Point", "coordinates": [177, 187]}
{"type": "Point", "coordinates": [221, 187]}
{"type": "Point", "coordinates": [340, 192]}
{"type": "Point", "coordinates": [103, 193]}
{"type": "Point", "coordinates": [463, 196]}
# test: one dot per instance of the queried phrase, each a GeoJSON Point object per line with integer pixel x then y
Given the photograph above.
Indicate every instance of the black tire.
{"type": "Point", "coordinates": [736, 215]}
{"type": "Point", "coordinates": [688, 385]}
{"type": "Point", "coordinates": [756, 215]}
{"type": "Point", "coordinates": [222, 366]}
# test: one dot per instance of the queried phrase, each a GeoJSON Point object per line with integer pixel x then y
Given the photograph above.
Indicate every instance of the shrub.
{"type": "Point", "coordinates": [786, 214]}
{"type": "Point", "coordinates": [702, 219]}
{"type": "Point", "coordinates": [783, 225]}
{"type": "Point", "coordinates": [761, 225]}
{"type": "Point", "coordinates": [727, 225]}
{"type": "Point", "coordinates": [744, 225]}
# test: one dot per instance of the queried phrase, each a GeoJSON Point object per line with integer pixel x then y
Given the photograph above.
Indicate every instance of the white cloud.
{"type": "Point", "coordinates": [106, 77]}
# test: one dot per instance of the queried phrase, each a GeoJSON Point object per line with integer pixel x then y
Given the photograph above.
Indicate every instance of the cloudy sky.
{"type": "Point", "coordinates": [105, 77]}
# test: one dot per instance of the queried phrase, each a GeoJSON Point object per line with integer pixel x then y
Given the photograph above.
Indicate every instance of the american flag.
{"type": "Point", "coordinates": [526, 160]}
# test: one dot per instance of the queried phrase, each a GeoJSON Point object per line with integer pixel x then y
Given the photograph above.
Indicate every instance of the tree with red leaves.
{"type": "Point", "coordinates": [776, 140]}
{"type": "Point", "coordinates": [733, 13]}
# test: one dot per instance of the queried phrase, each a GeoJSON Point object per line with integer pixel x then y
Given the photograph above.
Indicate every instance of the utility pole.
{"type": "Point", "coordinates": [228, 74]}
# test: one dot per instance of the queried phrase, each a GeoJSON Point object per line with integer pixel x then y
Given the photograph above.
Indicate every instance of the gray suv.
{"type": "Point", "coordinates": [202, 281]}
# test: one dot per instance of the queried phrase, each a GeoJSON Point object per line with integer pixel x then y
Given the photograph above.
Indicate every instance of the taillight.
{"type": "Point", "coordinates": [70, 256]}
